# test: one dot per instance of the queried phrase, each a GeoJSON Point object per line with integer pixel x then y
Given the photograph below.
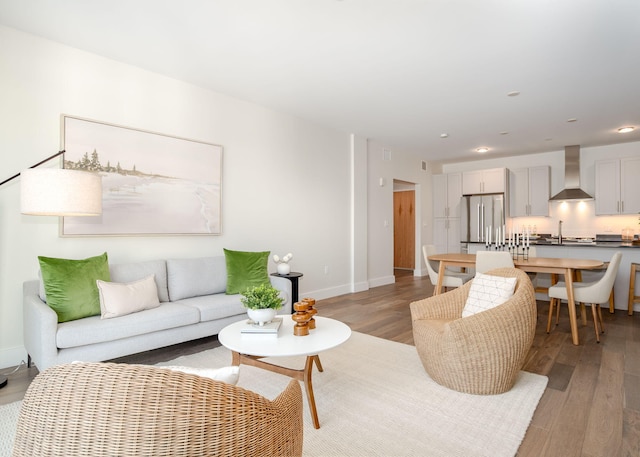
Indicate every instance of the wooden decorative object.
{"type": "Point", "coordinates": [301, 317]}
{"type": "Point", "coordinates": [311, 302]}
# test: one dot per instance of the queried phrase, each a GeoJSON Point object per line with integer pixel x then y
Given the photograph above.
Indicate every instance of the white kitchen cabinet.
{"type": "Point", "coordinates": [529, 191]}
{"type": "Point", "coordinates": [447, 193]}
{"type": "Point", "coordinates": [446, 235]}
{"type": "Point", "coordinates": [490, 181]}
{"type": "Point", "coordinates": [617, 186]}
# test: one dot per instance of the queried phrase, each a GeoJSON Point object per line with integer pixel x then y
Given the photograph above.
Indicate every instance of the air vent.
{"type": "Point", "coordinates": [424, 166]}
{"type": "Point", "coordinates": [386, 154]}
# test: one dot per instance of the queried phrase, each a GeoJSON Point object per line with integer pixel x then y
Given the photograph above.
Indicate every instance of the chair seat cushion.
{"type": "Point", "coordinates": [229, 374]}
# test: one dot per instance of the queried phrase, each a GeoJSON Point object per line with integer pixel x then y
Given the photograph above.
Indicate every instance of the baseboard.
{"type": "Point", "coordinates": [383, 281]}
{"type": "Point", "coordinates": [360, 286]}
{"type": "Point", "coordinates": [321, 294]}
{"type": "Point", "coordinates": [11, 357]}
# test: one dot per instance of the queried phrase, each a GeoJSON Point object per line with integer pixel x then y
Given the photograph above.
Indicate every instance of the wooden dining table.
{"type": "Point", "coordinates": [554, 265]}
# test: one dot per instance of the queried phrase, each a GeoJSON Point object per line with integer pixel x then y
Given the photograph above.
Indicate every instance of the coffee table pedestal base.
{"type": "Point", "coordinates": [303, 375]}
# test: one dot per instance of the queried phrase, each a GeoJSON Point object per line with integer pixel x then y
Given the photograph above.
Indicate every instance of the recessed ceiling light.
{"type": "Point", "coordinates": [482, 150]}
{"type": "Point", "coordinates": [573, 119]}
{"type": "Point", "coordinates": [444, 135]}
{"type": "Point", "coordinates": [513, 93]}
{"type": "Point", "coordinates": [626, 129]}
{"type": "Point", "coordinates": [504, 133]}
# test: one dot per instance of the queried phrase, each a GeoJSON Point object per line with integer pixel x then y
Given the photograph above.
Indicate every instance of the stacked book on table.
{"type": "Point", "coordinates": [268, 329]}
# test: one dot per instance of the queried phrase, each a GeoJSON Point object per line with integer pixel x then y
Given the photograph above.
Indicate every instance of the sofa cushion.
{"type": "Point", "coordinates": [218, 306]}
{"type": "Point", "coordinates": [94, 330]}
{"type": "Point", "coordinates": [70, 285]}
{"type": "Point", "coordinates": [127, 272]}
{"type": "Point", "coordinates": [245, 270]}
{"type": "Point", "coordinates": [120, 299]}
{"type": "Point", "coordinates": [195, 277]}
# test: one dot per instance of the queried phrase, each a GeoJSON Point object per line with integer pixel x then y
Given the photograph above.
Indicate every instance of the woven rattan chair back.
{"type": "Point", "coordinates": [107, 409]}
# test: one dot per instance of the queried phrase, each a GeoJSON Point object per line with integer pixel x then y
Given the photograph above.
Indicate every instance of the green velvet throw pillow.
{"type": "Point", "coordinates": [245, 270]}
{"type": "Point", "coordinates": [70, 285]}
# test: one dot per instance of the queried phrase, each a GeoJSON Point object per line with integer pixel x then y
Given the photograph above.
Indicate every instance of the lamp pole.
{"type": "Point", "coordinates": [59, 153]}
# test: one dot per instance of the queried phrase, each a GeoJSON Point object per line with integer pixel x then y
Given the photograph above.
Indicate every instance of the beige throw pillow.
{"type": "Point", "coordinates": [120, 299]}
{"type": "Point", "coordinates": [487, 292]}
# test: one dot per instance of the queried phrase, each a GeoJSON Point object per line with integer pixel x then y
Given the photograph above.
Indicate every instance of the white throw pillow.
{"type": "Point", "coordinates": [487, 292]}
{"type": "Point", "coordinates": [119, 299]}
{"type": "Point", "coordinates": [229, 374]}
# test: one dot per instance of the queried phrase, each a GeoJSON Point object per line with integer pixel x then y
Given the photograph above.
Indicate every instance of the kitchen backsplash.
{"type": "Point", "coordinates": [578, 220]}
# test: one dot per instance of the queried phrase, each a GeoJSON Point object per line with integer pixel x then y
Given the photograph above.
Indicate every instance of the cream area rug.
{"type": "Point", "coordinates": [375, 399]}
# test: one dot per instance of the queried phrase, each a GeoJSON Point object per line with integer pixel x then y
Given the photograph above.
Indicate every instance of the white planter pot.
{"type": "Point", "coordinates": [261, 316]}
{"type": "Point", "coordinates": [283, 268]}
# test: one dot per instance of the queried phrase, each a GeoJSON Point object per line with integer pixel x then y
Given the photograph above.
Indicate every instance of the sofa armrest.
{"type": "Point", "coordinates": [284, 286]}
{"type": "Point", "coordinates": [40, 326]}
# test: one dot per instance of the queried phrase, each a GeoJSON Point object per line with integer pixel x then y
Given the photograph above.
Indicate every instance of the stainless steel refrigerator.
{"type": "Point", "coordinates": [478, 213]}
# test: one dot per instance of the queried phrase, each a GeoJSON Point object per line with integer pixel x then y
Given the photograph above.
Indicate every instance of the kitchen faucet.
{"type": "Point", "coordinates": [559, 232]}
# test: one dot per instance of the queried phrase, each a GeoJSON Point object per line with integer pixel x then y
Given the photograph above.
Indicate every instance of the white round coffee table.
{"type": "Point", "coordinates": [249, 349]}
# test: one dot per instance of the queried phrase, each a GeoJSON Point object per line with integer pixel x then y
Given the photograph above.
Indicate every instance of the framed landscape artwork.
{"type": "Point", "coordinates": [152, 184]}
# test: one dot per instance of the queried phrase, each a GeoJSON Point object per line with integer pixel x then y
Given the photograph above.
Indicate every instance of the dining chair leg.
{"type": "Point", "coordinates": [600, 319]}
{"type": "Point", "coordinates": [633, 298]}
{"type": "Point", "coordinates": [612, 303]}
{"type": "Point", "coordinates": [558, 305]}
{"type": "Point", "coordinates": [551, 303]}
{"type": "Point", "coordinates": [583, 313]}
{"type": "Point", "coordinates": [595, 321]}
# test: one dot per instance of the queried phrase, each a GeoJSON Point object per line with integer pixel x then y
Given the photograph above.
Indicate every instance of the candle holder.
{"type": "Point", "coordinates": [312, 311]}
{"type": "Point", "coordinates": [518, 250]}
{"type": "Point", "coordinates": [302, 316]}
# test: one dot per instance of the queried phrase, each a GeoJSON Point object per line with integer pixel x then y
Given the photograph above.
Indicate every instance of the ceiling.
{"type": "Point", "coordinates": [400, 72]}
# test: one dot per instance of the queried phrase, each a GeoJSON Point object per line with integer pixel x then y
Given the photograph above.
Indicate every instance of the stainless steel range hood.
{"type": "Point", "coordinates": [572, 189]}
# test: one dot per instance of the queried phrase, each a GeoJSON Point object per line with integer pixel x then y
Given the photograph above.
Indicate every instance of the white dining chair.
{"type": "Point", "coordinates": [489, 260]}
{"type": "Point", "coordinates": [451, 278]}
{"type": "Point", "coordinates": [594, 293]}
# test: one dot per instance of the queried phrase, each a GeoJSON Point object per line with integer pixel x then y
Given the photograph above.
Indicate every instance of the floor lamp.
{"type": "Point", "coordinates": [58, 192]}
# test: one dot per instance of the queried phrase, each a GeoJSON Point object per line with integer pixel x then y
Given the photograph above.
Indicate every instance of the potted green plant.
{"type": "Point", "coordinates": [262, 302]}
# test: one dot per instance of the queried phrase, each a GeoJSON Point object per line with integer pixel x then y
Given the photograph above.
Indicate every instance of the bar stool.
{"type": "Point", "coordinates": [633, 298]}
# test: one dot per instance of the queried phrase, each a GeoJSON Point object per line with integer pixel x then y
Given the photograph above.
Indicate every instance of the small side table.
{"type": "Point", "coordinates": [293, 277]}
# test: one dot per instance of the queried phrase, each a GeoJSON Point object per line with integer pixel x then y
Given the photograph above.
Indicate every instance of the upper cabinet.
{"type": "Point", "coordinates": [529, 191]}
{"type": "Point", "coordinates": [447, 193]}
{"type": "Point", "coordinates": [491, 181]}
{"type": "Point", "coordinates": [617, 188]}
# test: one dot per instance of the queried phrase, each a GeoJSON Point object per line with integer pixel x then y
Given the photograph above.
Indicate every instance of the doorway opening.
{"type": "Point", "coordinates": [404, 225]}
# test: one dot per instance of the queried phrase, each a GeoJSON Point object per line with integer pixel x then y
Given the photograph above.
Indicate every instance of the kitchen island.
{"type": "Point", "coordinates": [599, 250]}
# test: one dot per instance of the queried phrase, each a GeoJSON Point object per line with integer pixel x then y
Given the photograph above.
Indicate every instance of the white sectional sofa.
{"type": "Point", "coordinates": [193, 304]}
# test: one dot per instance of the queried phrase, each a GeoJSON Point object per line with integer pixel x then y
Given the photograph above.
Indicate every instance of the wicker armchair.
{"type": "Point", "coordinates": [479, 354]}
{"type": "Point", "coordinates": [107, 409]}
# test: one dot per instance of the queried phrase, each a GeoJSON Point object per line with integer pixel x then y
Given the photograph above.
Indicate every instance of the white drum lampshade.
{"type": "Point", "coordinates": [60, 192]}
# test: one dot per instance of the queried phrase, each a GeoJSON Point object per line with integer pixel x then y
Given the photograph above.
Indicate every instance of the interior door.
{"type": "Point", "coordinates": [404, 217]}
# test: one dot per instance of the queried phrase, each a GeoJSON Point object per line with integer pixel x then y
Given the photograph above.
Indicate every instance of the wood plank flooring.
{"type": "Point", "coordinates": [591, 407]}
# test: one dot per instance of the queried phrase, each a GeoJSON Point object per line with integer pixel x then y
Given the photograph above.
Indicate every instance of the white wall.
{"type": "Point", "coordinates": [286, 182]}
{"type": "Point", "coordinates": [403, 167]}
{"type": "Point", "coordinates": [579, 219]}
